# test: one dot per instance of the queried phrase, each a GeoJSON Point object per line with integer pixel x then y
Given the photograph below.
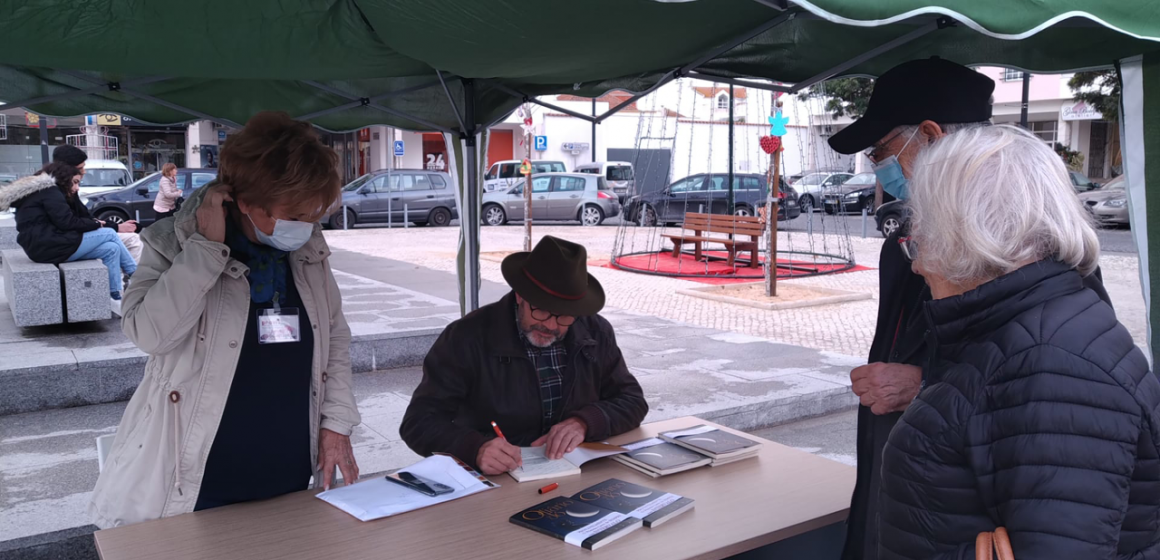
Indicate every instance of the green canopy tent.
{"type": "Point", "coordinates": [459, 66]}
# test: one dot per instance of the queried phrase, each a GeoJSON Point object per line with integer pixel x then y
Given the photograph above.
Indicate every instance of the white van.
{"type": "Point", "coordinates": [103, 175]}
{"type": "Point", "coordinates": [618, 174]}
{"type": "Point", "coordinates": [503, 175]}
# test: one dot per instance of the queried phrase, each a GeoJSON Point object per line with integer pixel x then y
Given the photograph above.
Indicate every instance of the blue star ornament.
{"type": "Point", "coordinates": [777, 125]}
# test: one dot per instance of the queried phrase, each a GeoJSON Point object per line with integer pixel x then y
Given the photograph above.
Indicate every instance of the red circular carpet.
{"type": "Point", "coordinates": [713, 270]}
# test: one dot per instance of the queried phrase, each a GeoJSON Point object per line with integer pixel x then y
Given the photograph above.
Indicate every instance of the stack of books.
{"type": "Point", "coordinates": [603, 513]}
{"type": "Point", "coordinates": [681, 450]}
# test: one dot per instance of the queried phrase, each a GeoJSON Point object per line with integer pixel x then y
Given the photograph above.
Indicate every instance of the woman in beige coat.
{"type": "Point", "coordinates": [247, 391]}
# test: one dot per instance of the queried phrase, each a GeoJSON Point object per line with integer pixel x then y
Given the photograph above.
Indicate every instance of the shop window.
{"type": "Point", "coordinates": [1011, 75]}
{"type": "Point", "coordinates": [1045, 130]}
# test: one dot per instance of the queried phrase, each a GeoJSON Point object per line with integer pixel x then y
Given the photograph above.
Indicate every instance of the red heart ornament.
{"type": "Point", "coordinates": [770, 144]}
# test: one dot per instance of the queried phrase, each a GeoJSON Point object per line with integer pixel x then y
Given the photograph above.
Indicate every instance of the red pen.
{"type": "Point", "coordinates": [495, 427]}
{"type": "Point", "coordinates": [549, 488]}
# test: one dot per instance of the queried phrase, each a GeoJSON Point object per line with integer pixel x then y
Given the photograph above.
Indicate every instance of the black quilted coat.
{"type": "Point", "coordinates": [1039, 415]}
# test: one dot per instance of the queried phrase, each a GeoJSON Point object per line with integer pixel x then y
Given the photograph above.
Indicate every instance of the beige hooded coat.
{"type": "Point", "coordinates": [187, 307]}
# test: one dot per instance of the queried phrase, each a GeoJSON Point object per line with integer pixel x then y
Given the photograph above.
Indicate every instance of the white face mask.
{"type": "Point", "coordinates": [288, 236]}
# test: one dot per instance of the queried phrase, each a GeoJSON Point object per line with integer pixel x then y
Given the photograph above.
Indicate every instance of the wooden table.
{"type": "Point", "coordinates": [782, 493]}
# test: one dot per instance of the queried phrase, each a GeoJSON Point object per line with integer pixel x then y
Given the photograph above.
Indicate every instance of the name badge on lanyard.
{"type": "Point", "coordinates": [278, 325]}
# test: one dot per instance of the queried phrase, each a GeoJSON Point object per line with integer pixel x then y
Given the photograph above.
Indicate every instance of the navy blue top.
{"type": "Point", "coordinates": [262, 447]}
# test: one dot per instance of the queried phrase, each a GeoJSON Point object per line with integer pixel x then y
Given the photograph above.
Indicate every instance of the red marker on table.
{"type": "Point", "coordinates": [549, 488]}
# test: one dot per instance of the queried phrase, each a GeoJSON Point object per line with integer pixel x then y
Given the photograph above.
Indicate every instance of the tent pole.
{"type": "Point", "coordinates": [42, 122]}
{"type": "Point", "coordinates": [369, 102]}
{"type": "Point", "coordinates": [145, 97]}
{"type": "Point", "coordinates": [451, 100]}
{"type": "Point", "coordinates": [731, 104]}
{"type": "Point", "coordinates": [593, 130]}
{"type": "Point", "coordinates": [529, 99]}
{"type": "Point", "coordinates": [470, 214]}
{"type": "Point", "coordinates": [885, 47]}
{"type": "Point", "coordinates": [323, 112]}
{"type": "Point", "coordinates": [1023, 104]}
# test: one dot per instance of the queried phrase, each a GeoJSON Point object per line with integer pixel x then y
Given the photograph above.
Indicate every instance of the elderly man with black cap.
{"type": "Point", "coordinates": [540, 363]}
{"type": "Point", "coordinates": [914, 105]}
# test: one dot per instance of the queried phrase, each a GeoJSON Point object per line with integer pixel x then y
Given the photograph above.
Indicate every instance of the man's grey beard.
{"type": "Point", "coordinates": [527, 334]}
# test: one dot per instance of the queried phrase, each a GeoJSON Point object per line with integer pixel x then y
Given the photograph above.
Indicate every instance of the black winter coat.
{"type": "Point", "coordinates": [47, 227]}
{"type": "Point", "coordinates": [900, 337]}
{"type": "Point", "coordinates": [478, 371]}
{"type": "Point", "coordinates": [1039, 415]}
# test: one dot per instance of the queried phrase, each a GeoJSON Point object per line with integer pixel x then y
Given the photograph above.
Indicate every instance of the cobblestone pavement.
{"type": "Point", "coordinates": [845, 328]}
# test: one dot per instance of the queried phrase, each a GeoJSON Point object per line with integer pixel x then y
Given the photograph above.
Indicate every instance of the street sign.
{"type": "Point", "coordinates": [399, 148]}
{"type": "Point", "coordinates": [541, 143]}
{"type": "Point", "coordinates": [221, 136]}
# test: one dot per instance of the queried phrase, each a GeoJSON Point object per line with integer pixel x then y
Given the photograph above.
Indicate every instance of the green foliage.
{"type": "Point", "coordinates": [1073, 159]}
{"type": "Point", "coordinates": [844, 96]}
{"type": "Point", "coordinates": [1100, 89]}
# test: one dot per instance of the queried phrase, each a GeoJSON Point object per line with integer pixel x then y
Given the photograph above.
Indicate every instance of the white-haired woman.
{"type": "Point", "coordinates": [1038, 413]}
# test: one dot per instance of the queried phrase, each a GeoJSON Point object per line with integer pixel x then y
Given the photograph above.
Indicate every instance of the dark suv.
{"type": "Point", "coordinates": [708, 193]}
{"type": "Point", "coordinates": [135, 202]}
{"type": "Point", "coordinates": [414, 195]}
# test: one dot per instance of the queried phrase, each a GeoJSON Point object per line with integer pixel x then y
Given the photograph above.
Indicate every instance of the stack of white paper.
{"type": "Point", "coordinates": [377, 498]}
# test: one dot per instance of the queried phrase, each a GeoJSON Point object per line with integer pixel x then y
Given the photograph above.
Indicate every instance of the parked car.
{"type": "Point", "coordinates": [1081, 183]}
{"type": "Point", "coordinates": [503, 175]}
{"type": "Point", "coordinates": [415, 195]}
{"type": "Point", "coordinates": [890, 216]}
{"type": "Point", "coordinates": [555, 196]}
{"type": "Point", "coordinates": [815, 186]}
{"type": "Point", "coordinates": [1108, 204]}
{"type": "Point", "coordinates": [135, 202]}
{"type": "Point", "coordinates": [6, 178]}
{"type": "Point", "coordinates": [854, 195]}
{"type": "Point", "coordinates": [104, 175]}
{"type": "Point", "coordinates": [709, 193]}
{"type": "Point", "coordinates": [619, 175]}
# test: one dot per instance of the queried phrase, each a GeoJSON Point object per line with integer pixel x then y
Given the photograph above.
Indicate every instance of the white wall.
{"type": "Point", "coordinates": [412, 150]}
{"type": "Point", "coordinates": [200, 133]}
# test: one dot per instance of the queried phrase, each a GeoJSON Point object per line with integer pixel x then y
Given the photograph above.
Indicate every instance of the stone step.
{"type": "Point", "coordinates": [36, 378]}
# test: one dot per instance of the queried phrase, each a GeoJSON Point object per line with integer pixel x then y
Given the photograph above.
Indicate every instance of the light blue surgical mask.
{"type": "Point", "coordinates": [889, 173]}
{"type": "Point", "coordinates": [288, 236]}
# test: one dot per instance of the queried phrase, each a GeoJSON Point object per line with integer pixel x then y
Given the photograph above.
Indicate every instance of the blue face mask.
{"type": "Point", "coordinates": [889, 173]}
{"type": "Point", "coordinates": [288, 236]}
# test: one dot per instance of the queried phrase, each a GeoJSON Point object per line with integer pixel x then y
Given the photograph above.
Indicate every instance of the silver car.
{"type": "Point", "coordinates": [1109, 204]}
{"type": "Point", "coordinates": [555, 196]}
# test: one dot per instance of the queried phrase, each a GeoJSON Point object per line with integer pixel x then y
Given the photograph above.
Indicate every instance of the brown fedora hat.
{"type": "Point", "coordinates": [554, 277]}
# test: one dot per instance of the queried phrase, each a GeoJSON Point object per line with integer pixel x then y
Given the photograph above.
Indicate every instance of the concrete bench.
{"type": "Point", "coordinates": [33, 290]}
{"type": "Point", "coordinates": [86, 291]}
{"type": "Point", "coordinates": [8, 234]}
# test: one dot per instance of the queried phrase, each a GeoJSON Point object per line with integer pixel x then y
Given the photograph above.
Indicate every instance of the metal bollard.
{"type": "Point", "coordinates": [345, 218]}
{"type": "Point", "coordinates": [406, 218]}
{"type": "Point", "coordinates": [863, 222]}
{"type": "Point", "coordinates": [810, 222]}
{"type": "Point", "coordinates": [700, 208]}
{"type": "Point", "coordinates": [138, 214]}
{"type": "Point", "coordinates": [389, 214]}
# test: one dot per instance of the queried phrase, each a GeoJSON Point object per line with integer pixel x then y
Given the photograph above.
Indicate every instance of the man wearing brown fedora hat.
{"type": "Point", "coordinates": [540, 363]}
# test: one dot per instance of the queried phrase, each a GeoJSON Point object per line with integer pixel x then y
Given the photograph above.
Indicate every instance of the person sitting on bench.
{"type": "Point", "coordinates": [50, 229]}
{"type": "Point", "coordinates": [540, 363]}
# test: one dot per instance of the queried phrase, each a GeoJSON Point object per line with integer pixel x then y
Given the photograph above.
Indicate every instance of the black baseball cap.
{"type": "Point", "coordinates": [920, 90]}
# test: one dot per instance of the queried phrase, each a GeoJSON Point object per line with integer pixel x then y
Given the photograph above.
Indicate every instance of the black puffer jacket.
{"type": "Point", "coordinates": [1039, 415]}
{"type": "Point", "coordinates": [47, 227]}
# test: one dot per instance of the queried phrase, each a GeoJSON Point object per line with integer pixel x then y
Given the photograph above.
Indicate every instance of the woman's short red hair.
{"type": "Point", "coordinates": [276, 161]}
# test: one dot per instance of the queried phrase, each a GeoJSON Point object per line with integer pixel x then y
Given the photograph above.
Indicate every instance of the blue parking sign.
{"type": "Point", "coordinates": [398, 148]}
{"type": "Point", "coordinates": [541, 143]}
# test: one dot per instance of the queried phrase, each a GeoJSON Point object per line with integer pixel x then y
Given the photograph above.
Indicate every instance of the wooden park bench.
{"type": "Point", "coordinates": [735, 226]}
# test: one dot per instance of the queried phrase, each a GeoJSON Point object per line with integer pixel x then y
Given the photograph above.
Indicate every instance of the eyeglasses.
{"type": "Point", "coordinates": [872, 153]}
{"type": "Point", "coordinates": [909, 247]}
{"type": "Point", "coordinates": [543, 315]}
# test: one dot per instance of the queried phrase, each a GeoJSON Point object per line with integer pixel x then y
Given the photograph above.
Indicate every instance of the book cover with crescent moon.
{"type": "Point", "coordinates": [652, 506]}
{"type": "Point", "coordinates": [667, 456]}
{"type": "Point", "coordinates": [718, 444]}
{"type": "Point", "coordinates": [576, 522]}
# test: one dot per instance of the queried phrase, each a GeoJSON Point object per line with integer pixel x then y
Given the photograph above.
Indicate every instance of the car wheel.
{"type": "Point", "coordinates": [112, 216]}
{"type": "Point", "coordinates": [890, 224]}
{"type": "Point", "coordinates": [343, 220]}
{"type": "Point", "coordinates": [440, 217]}
{"type": "Point", "coordinates": [743, 211]}
{"type": "Point", "coordinates": [493, 215]}
{"type": "Point", "coordinates": [648, 217]}
{"type": "Point", "coordinates": [591, 215]}
{"type": "Point", "coordinates": [806, 203]}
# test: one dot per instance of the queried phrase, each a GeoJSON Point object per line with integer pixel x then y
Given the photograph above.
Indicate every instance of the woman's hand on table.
{"type": "Point", "coordinates": [334, 450]}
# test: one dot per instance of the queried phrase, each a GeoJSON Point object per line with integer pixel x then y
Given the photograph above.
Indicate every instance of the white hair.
{"type": "Point", "coordinates": [985, 201]}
